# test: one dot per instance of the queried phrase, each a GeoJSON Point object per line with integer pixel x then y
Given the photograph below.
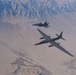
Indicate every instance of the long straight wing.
{"type": "Point", "coordinates": [60, 47]}
{"type": "Point", "coordinates": [46, 37]}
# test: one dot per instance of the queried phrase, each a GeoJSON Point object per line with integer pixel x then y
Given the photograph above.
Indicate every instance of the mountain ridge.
{"type": "Point", "coordinates": [36, 8]}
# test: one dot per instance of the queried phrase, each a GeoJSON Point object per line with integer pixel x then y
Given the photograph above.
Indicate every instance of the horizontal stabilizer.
{"type": "Point", "coordinates": [60, 36]}
{"type": "Point", "coordinates": [63, 38]}
{"type": "Point", "coordinates": [57, 35]}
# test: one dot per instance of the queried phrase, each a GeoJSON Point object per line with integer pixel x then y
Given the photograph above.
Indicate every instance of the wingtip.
{"type": "Point", "coordinates": [72, 56]}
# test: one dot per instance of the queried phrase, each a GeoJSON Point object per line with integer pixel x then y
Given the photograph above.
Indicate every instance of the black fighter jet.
{"type": "Point", "coordinates": [42, 24]}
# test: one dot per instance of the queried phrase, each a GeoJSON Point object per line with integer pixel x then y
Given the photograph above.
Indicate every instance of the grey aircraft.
{"type": "Point", "coordinates": [42, 24]}
{"type": "Point", "coordinates": [52, 41]}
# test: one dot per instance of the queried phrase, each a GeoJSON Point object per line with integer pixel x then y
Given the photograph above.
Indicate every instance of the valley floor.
{"type": "Point", "coordinates": [19, 55]}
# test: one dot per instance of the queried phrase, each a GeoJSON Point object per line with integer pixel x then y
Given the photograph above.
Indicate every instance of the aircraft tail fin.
{"type": "Point", "coordinates": [45, 22]}
{"type": "Point", "coordinates": [61, 36]}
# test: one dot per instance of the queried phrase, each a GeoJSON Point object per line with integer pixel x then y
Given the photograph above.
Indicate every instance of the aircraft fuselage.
{"type": "Point", "coordinates": [57, 38]}
{"type": "Point", "coordinates": [42, 42]}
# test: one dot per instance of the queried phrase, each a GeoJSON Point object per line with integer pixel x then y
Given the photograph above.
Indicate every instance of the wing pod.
{"type": "Point", "coordinates": [42, 38]}
{"type": "Point", "coordinates": [50, 45]}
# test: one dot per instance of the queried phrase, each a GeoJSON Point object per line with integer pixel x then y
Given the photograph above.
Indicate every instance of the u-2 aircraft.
{"type": "Point", "coordinates": [45, 24]}
{"type": "Point", "coordinates": [52, 41]}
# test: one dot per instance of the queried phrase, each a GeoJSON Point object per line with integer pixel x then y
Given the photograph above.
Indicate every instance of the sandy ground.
{"type": "Point", "coordinates": [17, 39]}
